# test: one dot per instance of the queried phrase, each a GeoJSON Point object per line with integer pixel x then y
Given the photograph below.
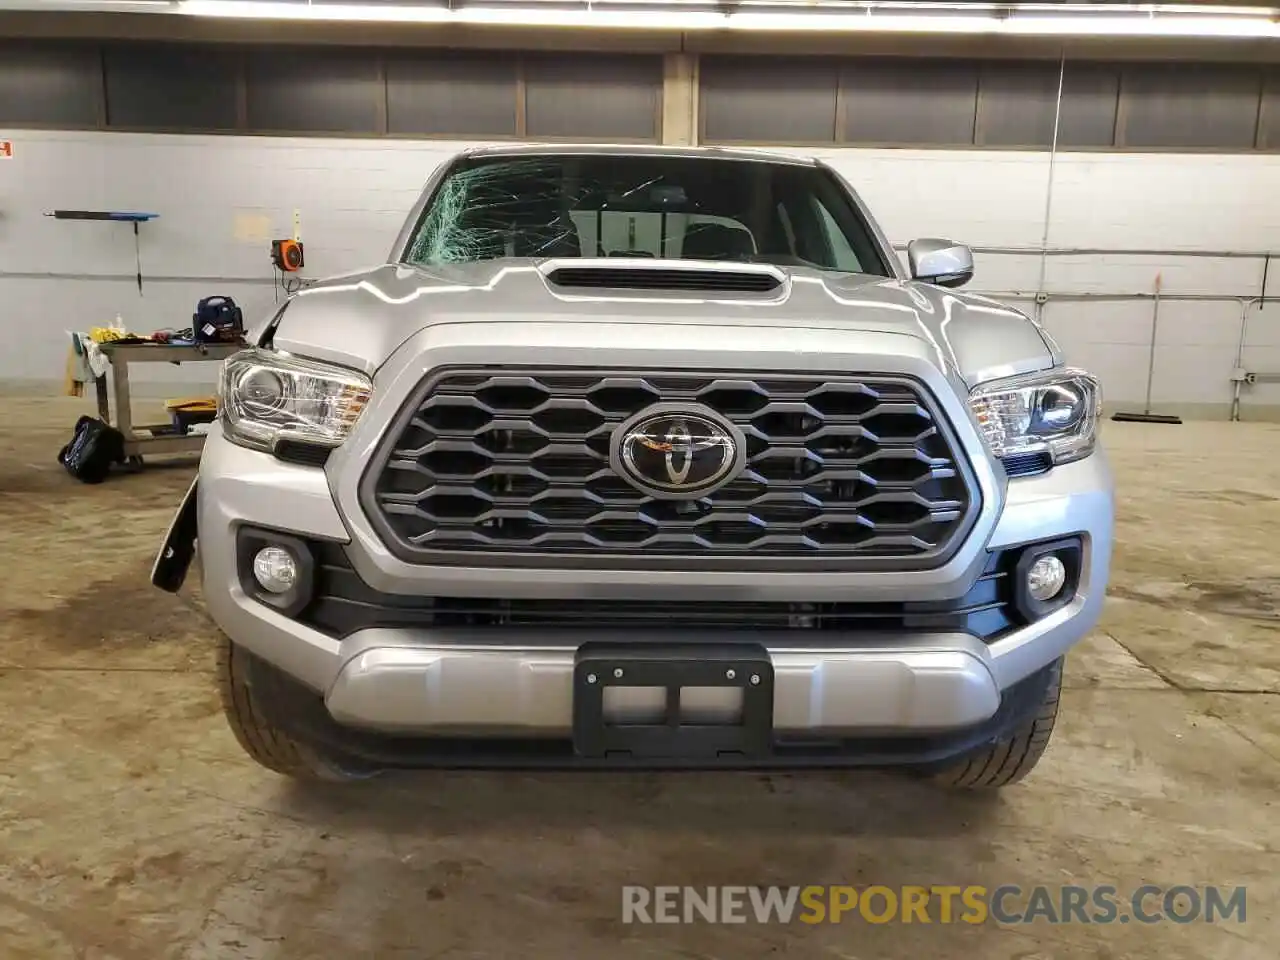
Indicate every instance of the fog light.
{"type": "Point", "coordinates": [1046, 578]}
{"type": "Point", "coordinates": [276, 570]}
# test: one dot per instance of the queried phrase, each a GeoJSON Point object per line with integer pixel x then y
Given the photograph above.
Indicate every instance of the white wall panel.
{"type": "Point", "coordinates": [1081, 327]}
{"type": "Point", "coordinates": [1199, 324]}
{"type": "Point", "coordinates": [1262, 326]}
{"type": "Point", "coordinates": [221, 198]}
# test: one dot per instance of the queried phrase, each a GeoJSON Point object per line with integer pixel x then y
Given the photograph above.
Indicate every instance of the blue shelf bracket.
{"type": "Point", "coordinates": [117, 216]}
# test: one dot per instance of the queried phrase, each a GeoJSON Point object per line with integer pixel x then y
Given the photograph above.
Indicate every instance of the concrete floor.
{"type": "Point", "coordinates": [132, 827]}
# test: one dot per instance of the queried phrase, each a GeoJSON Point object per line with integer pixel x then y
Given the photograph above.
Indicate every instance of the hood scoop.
{"type": "Point", "coordinates": [663, 275]}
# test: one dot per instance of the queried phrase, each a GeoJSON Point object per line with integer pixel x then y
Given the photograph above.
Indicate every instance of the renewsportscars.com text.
{"type": "Point", "coordinates": [1006, 905]}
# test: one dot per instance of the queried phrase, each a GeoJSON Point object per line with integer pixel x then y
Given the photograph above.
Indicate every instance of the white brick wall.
{"type": "Point", "coordinates": [1114, 201]}
{"type": "Point", "coordinates": [211, 192]}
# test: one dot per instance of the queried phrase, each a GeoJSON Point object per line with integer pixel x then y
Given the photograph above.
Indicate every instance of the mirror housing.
{"type": "Point", "coordinates": [941, 262]}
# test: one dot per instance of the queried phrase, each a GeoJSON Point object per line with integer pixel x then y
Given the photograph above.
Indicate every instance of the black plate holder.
{"type": "Point", "coordinates": [179, 547]}
{"type": "Point", "coordinates": [602, 665]}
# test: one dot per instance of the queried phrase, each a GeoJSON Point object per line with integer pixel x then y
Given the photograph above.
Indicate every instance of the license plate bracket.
{"type": "Point", "coordinates": [179, 548]}
{"type": "Point", "coordinates": [599, 666]}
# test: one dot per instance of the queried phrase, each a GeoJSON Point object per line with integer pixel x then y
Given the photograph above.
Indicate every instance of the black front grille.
{"type": "Point", "coordinates": [343, 603]}
{"type": "Point", "coordinates": [503, 462]}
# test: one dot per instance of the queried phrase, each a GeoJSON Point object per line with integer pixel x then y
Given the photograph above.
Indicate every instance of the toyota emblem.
{"type": "Point", "coordinates": [677, 452]}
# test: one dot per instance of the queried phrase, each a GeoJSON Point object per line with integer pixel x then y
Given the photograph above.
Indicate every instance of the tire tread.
{"type": "Point", "coordinates": [262, 741]}
{"type": "Point", "coordinates": [1008, 761]}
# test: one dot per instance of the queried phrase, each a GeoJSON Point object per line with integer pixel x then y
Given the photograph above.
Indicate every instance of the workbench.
{"type": "Point", "coordinates": [158, 438]}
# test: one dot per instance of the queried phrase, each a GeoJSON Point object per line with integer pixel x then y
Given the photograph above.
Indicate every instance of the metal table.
{"type": "Point", "coordinates": [123, 354]}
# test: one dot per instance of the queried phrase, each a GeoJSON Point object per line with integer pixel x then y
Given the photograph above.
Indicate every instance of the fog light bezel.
{"type": "Point", "coordinates": [249, 541]}
{"type": "Point", "coordinates": [1071, 552]}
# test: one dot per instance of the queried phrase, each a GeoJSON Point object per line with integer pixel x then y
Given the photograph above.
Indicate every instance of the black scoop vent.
{"type": "Point", "coordinates": [623, 278]}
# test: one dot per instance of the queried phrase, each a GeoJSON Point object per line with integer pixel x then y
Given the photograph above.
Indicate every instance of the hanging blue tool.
{"type": "Point", "coordinates": [122, 217]}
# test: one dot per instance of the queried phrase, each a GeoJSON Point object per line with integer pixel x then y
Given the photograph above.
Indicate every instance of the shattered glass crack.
{"type": "Point", "coordinates": [643, 206]}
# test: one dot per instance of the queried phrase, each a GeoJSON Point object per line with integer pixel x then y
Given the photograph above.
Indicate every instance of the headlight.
{"type": "Point", "coordinates": [266, 397]}
{"type": "Point", "coordinates": [1055, 412]}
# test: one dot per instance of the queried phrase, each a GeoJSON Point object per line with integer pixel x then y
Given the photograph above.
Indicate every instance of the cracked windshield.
{"type": "Point", "coordinates": [651, 207]}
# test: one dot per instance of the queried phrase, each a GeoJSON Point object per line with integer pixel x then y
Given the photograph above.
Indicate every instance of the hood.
{"type": "Point", "coordinates": [359, 319]}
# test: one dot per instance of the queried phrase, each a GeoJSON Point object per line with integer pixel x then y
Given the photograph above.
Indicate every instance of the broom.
{"type": "Point", "coordinates": [1146, 416]}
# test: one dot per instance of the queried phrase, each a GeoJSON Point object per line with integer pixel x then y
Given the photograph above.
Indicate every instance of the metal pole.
{"type": "Point", "coordinates": [1048, 193]}
{"type": "Point", "coordinates": [1235, 383]}
{"type": "Point", "coordinates": [1238, 371]}
{"type": "Point", "coordinates": [1146, 416]}
{"type": "Point", "coordinates": [137, 255]}
{"type": "Point", "coordinates": [1151, 356]}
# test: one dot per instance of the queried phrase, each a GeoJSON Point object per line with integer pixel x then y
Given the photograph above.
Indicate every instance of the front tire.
{"type": "Point", "coordinates": [263, 741]}
{"type": "Point", "coordinates": [1011, 759]}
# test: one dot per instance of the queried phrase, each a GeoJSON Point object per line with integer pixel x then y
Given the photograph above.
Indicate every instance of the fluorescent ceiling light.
{"type": "Point", "coordinates": [64, 6]}
{"type": "Point", "coordinates": [936, 21]}
{"type": "Point", "coordinates": [893, 16]}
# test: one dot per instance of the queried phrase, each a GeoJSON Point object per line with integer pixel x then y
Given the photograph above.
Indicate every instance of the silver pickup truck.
{"type": "Point", "coordinates": [648, 457]}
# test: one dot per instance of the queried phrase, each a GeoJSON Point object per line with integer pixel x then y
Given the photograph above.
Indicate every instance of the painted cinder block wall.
{"type": "Point", "coordinates": [221, 199]}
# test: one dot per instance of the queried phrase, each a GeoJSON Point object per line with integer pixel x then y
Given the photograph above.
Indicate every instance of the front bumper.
{"type": "Point", "coordinates": [290, 706]}
{"type": "Point", "coordinates": [399, 680]}
{"type": "Point", "coordinates": [517, 682]}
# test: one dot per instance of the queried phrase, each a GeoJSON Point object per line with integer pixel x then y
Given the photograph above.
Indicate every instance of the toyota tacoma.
{"type": "Point", "coordinates": [647, 457]}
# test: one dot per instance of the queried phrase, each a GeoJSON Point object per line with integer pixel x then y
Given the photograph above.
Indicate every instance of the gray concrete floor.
{"type": "Point", "coordinates": [132, 827]}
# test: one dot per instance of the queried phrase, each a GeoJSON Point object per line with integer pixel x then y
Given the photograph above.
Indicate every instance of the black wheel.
{"type": "Point", "coordinates": [261, 740]}
{"type": "Point", "coordinates": [1009, 760]}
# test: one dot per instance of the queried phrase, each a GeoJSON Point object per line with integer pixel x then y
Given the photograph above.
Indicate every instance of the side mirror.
{"type": "Point", "coordinates": [942, 262]}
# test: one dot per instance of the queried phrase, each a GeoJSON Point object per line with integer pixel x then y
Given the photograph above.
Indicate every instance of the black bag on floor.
{"type": "Point", "coordinates": [92, 450]}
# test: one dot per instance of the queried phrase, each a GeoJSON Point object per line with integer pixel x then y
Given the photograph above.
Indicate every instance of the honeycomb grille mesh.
{"type": "Point", "coordinates": [497, 461]}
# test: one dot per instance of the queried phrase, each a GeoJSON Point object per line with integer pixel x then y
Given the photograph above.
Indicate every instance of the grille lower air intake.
{"type": "Point", "coordinates": [344, 604]}
{"type": "Point", "coordinates": [501, 465]}
{"type": "Point", "coordinates": [623, 278]}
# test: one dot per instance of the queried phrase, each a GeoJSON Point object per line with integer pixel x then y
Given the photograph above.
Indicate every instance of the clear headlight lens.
{"type": "Point", "coordinates": [1055, 412]}
{"type": "Point", "coordinates": [265, 397]}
